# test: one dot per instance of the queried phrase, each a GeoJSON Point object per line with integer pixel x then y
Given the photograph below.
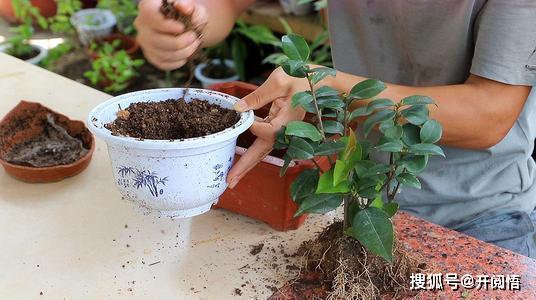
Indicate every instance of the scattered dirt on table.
{"type": "Point", "coordinates": [256, 249]}
{"type": "Point", "coordinates": [53, 147]}
{"type": "Point", "coordinates": [238, 292]}
{"type": "Point", "coordinates": [172, 120]}
{"type": "Point", "coordinates": [345, 270]}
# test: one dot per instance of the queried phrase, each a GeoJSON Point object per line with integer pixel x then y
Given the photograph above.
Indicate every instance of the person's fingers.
{"type": "Point", "coordinates": [272, 89]}
{"type": "Point", "coordinates": [255, 153]}
{"type": "Point", "coordinates": [149, 16]}
{"type": "Point", "coordinates": [155, 60]}
{"type": "Point", "coordinates": [185, 7]}
{"type": "Point", "coordinates": [172, 56]}
{"type": "Point", "coordinates": [166, 42]}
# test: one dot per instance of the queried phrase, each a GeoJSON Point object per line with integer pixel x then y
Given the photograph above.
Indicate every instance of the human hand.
{"type": "Point", "coordinates": [167, 43]}
{"type": "Point", "coordinates": [278, 90]}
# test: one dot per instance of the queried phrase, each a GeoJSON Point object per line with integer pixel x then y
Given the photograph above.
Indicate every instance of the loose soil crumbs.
{"type": "Point", "coordinates": [53, 147]}
{"type": "Point", "coordinates": [256, 249]}
{"type": "Point", "coordinates": [172, 119]}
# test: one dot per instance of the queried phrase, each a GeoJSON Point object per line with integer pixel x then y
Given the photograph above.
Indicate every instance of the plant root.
{"type": "Point", "coordinates": [351, 272]}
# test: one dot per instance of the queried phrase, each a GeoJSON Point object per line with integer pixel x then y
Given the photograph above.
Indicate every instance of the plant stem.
{"type": "Point", "coordinates": [168, 78]}
{"type": "Point", "coordinates": [316, 164]}
{"type": "Point", "coordinates": [317, 110]}
{"type": "Point", "coordinates": [391, 197]}
{"type": "Point", "coordinates": [346, 203]}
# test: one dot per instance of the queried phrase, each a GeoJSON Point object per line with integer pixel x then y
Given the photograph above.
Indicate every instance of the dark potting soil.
{"type": "Point", "coordinates": [172, 119]}
{"type": "Point", "coordinates": [218, 71]}
{"type": "Point", "coordinates": [53, 147]}
{"type": "Point", "coordinates": [28, 55]}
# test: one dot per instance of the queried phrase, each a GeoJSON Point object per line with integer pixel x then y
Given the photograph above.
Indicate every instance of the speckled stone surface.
{"type": "Point", "coordinates": [447, 251]}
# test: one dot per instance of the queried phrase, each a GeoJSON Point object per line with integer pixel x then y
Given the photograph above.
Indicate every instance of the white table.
{"type": "Point", "coordinates": [68, 240]}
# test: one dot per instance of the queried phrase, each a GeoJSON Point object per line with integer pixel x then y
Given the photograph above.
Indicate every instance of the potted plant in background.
{"type": "Point", "coordinates": [170, 152]}
{"type": "Point", "coordinates": [18, 44]}
{"type": "Point", "coordinates": [93, 23]}
{"type": "Point", "coordinates": [46, 8]}
{"type": "Point", "coordinates": [125, 12]}
{"type": "Point", "coordinates": [222, 69]}
{"type": "Point", "coordinates": [119, 41]}
{"type": "Point", "coordinates": [297, 7]}
{"type": "Point", "coordinates": [358, 256]}
{"type": "Point", "coordinates": [113, 69]}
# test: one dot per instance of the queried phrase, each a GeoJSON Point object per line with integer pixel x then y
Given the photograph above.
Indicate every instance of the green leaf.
{"type": "Point", "coordinates": [351, 144]}
{"type": "Point", "coordinates": [330, 147]}
{"type": "Point", "coordinates": [416, 99]}
{"type": "Point", "coordinates": [374, 230]}
{"type": "Point", "coordinates": [377, 202]}
{"type": "Point", "coordinates": [366, 89]}
{"type": "Point", "coordinates": [325, 185]}
{"type": "Point", "coordinates": [320, 73]}
{"type": "Point", "coordinates": [390, 208]}
{"type": "Point", "coordinates": [411, 134]}
{"type": "Point", "coordinates": [304, 185]}
{"type": "Point", "coordinates": [426, 149]}
{"type": "Point", "coordinates": [340, 172]}
{"type": "Point", "coordinates": [380, 103]}
{"type": "Point", "coordinates": [373, 169]}
{"type": "Point", "coordinates": [353, 209]}
{"type": "Point", "coordinates": [294, 68]}
{"type": "Point", "coordinates": [286, 163]}
{"type": "Point", "coordinates": [281, 140]}
{"type": "Point", "coordinates": [239, 54]}
{"type": "Point", "coordinates": [360, 112]}
{"type": "Point", "coordinates": [333, 127]}
{"type": "Point", "coordinates": [391, 131]}
{"type": "Point", "coordinates": [391, 146]}
{"type": "Point", "coordinates": [300, 149]}
{"type": "Point", "coordinates": [431, 132]}
{"type": "Point", "coordinates": [326, 91]}
{"type": "Point", "coordinates": [415, 163]}
{"type": "Point", "coordinates": [301, 99]}
{"type": "Point", "coordinates": [319, 204]}
{"type": "Point", "coordinates": [416, 115]}
{"type": "Point", "coordinates": [408, 179]}
{"type": "Point", "coordinates": [375, 118]}
{"type": "Point", "coordinates": [295, 47]}
{"type": "Point", "coordinates": [304, 130]}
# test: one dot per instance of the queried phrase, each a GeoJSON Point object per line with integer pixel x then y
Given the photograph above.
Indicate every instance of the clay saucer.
{"type": "Point", "coordinates": [26, 121]}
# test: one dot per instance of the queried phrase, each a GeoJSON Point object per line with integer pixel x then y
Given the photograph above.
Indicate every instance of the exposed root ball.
{"type": "Point", "coordinates": [353, 272]}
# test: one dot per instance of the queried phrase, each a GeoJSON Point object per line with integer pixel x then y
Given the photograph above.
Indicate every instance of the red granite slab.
{"type": "Point", "coordinates": [447, 251]}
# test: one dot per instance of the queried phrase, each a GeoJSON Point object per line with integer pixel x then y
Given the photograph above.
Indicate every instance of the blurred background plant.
{"type": "Point", "coordinates": [125, 11]}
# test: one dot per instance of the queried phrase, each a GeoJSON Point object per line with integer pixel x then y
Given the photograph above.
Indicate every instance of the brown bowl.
{"type": "Point", "coordinates": [24, 122]}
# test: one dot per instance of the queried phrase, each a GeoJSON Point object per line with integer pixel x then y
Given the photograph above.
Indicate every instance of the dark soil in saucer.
{"type": "Point", "coordinates": [28, 55]}
{"type": "Point", "coordinates": [53, 147]}
{"type": "Point", "coordinates": [172, 120]}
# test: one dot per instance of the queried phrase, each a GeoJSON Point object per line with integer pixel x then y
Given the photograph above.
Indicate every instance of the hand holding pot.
{"type": "Point", "coordinates": [165, 42]}
{"type": "Point", "coordinates": [278, 90]}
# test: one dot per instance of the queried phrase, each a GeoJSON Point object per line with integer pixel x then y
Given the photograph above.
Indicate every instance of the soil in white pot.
{"type": "Point", "coordinates": [172, 120]}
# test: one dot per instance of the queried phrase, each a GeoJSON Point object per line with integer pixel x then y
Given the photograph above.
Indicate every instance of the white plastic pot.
{"type": "Point", "coordinates": [207, 81]}
{"type": "Point", "coordinates": [180, 178]}
{"type": "Point", "coordinates": [292, 7]}
{"type": "Point", "coordinates": [93, 23]}
{"type": "Point", "coordinates": [43, 52]}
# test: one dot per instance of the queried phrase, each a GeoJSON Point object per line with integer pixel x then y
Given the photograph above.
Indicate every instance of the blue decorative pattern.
{"type": "Point", "coordinates": [141, 179]}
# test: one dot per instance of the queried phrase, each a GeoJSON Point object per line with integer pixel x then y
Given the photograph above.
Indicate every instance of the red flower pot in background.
{"type": "Point", "coordinates": [262, 194]}
{"type": "Point", "coordinates": [46, 7]}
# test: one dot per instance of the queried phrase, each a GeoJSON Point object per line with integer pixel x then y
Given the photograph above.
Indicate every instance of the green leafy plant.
{"type": "Point", "coordinates": [55, 54]}
{"type": "Point", "coordinates": [234, 46]}
{"type": "Point", "coordinates": [60, 23]}
{"type": "Point", "coordinates": [320, 49]}
{"type": "Point", "coordinates": [26, 13]}
{"type": "Point", "coordinates": [365, 187]}
{"type": "Point", "coordinates": [113, 69]}
{"type": "Point", "coordinates": [125, 11]}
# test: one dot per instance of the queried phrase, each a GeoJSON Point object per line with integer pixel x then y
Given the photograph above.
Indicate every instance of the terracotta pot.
{"type": "Point", "coordinates": [262, 194]}
{"type": "Point", "coordinates": [46, 7]}
{"type": "Point", "coordinates": [129, 44]}
{"type": "Point", "coordinates": [34, 114]}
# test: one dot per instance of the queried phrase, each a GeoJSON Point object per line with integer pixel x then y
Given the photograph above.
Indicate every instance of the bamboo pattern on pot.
{"type": "Point", "coordinates": [141, 179]}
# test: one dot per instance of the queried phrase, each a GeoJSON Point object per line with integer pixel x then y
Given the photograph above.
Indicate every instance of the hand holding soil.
{"type": "Point", "coordinates": [169, 32]}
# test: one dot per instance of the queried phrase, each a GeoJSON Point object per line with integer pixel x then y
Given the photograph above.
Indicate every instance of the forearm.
{"type": "Point", "coordinates": [476, 114]}
{"type": "Point", "coordinates": [222, 15]}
